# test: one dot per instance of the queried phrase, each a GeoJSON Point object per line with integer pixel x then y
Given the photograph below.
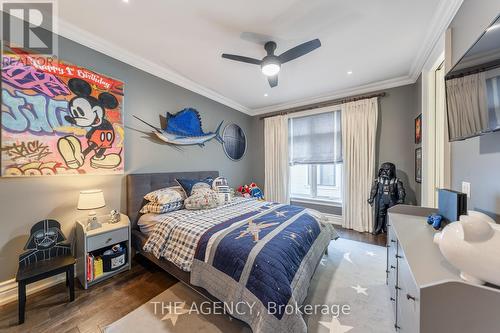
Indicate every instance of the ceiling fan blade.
{"type": "Point", "coordinates": [299, 50]}
{"type": "Point", "coordinates": [273, 80]}
{"type": "Point", "coordinates": [241, 59]}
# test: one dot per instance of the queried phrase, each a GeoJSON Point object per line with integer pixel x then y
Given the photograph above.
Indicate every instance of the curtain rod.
{"type": "Point", "coordinates": [469, 71]}
{"type": "Point", "coordinates": [322, 104]}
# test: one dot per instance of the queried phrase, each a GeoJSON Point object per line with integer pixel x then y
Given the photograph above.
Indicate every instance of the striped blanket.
{"type": "Point", "coordinates": [251, 252]}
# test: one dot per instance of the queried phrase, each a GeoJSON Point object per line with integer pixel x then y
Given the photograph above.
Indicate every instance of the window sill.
{"type": "Point", "coordinates": [318, 202]}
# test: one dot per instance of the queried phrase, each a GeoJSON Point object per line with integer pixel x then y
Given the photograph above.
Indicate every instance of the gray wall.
{"type": "Point", "coordinates": [395, 135]}
{"type": "Point", "coordinates": [25, 201]}
{"type": "Point", "coordinates": [395, 139]}
{"type": "Point", "coordinates": [476, 160]}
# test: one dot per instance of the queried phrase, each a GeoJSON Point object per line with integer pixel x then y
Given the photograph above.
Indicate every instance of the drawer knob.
{"type": "Point", "coordinates": [393, 241]}
{"type": "Point", "coordinates": [397, 287]}
{"type": "Point", "coordinates": [393, 267]}
{"type": "Point", "coordinates": [398, 256]}
{"type": "Point", "coordinates": [397, 327]}
{"type": "Point", "coordinates": [408, 297]}
{"type": "Point", "coordinates": [393, 299]}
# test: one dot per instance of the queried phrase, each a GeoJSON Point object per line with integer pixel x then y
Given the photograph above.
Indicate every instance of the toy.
{"type": "Point", "coordinates": [435, 220]}
{"type": "Point", "coordinates": [251, 191]}
{"type": "Point", "coordinates": [221, 187]}
{"type": "Point", "coordinates": [387, 191]}
{"type": "Point", "coordinates": [472, 245]}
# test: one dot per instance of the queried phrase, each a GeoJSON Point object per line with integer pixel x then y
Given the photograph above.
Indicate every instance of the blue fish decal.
{"type": "Point", "coordinates": [185, 128]}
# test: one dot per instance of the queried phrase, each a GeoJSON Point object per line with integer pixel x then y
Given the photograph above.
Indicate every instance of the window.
{"type": "Point", "coordinates": [316, 157]}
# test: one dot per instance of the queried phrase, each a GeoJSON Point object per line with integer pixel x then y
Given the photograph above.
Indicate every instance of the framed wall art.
{"type": "Point", "coordinates": [418, 165]}
{"type": "Point", "coordinates": [58, 118]}
{"type": "Point", "coordinates": [418, 129]}
{"type": "Point", "coordinates": [235, 142]}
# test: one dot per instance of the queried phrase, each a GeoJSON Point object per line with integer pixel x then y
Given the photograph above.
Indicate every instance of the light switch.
{"type": "Point", "coordinates": [466, 188]}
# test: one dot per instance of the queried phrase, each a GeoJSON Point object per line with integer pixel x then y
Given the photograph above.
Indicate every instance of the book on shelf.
{"type": "Point", "coordinates": [98, 267]}
{"type": "Point", "coordinates": [90, 267]}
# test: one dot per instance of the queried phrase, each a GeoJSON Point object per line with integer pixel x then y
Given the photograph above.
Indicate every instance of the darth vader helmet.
{"type": "Point", "coordinates": [44, 235]}
{"type": "Point", "coordinates": [387, 170]}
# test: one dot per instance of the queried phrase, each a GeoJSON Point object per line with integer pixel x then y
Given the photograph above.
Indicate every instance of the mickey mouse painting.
{"type": "Point", "coordinates": [86, 111]}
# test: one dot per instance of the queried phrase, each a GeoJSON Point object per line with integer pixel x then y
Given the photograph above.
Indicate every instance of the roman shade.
{"type": "Point", "coordinates": [316, 139]}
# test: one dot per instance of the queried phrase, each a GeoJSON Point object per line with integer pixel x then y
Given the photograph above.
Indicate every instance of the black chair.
{"type": "Point", "coordinates": [47, 255]}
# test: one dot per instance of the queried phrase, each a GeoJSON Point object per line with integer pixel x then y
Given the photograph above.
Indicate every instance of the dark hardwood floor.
{"type": "Point", "coordinates": [106, 302]}
{"type": "Point", "coordinates": [365, 237]}
{"type": "Point", "coordinates": [92, 309]}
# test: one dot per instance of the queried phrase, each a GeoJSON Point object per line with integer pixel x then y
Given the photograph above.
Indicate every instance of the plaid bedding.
{"type": "Point", "coordinates": [176, 237]}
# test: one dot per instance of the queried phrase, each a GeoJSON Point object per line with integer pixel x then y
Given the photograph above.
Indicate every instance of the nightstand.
{"type": "Point", "coordinates": [93, 243]}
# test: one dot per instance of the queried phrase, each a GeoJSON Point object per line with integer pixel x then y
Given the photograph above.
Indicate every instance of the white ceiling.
{"type": "Point", "coordinates": [384, 43]}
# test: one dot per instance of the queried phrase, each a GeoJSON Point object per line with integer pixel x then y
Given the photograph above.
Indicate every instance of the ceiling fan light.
{"type": "Point", "coordinates": [270, 69]}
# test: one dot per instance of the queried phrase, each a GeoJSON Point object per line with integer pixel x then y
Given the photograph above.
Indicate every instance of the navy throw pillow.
{"type": "Point", "coordinates": [188, 184]}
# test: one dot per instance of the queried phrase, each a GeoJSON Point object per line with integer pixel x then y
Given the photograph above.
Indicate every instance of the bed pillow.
{"type": "Point", "coordinates": [189, 184]}
{"type": "Point", "coordinates": [202, 198]}
{"type": "Point", "coordinates": [158, 208]}
{"type": "Point", "coordinates": [166, 195]}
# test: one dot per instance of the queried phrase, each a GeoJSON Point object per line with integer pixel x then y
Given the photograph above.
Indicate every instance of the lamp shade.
{"type": "Point", "coordinates": [91, 199]}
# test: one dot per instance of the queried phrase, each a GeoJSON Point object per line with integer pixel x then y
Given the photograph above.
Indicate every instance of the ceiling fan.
{"type": "Point", "coordinates": [270, 65]}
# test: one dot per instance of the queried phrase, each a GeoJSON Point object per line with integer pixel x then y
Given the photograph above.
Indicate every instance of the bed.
{"type": "Point", "coordinates": [258, 254]}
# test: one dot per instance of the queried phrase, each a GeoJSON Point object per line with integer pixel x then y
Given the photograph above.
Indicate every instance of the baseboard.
{"type": "Point", "coordinates": [334, 219]}
{"type": "Point", "coordinates": [8, 289]}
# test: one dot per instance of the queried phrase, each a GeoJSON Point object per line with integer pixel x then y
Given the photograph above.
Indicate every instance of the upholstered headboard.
{"type": "Point", "coordinates": [138, 185]}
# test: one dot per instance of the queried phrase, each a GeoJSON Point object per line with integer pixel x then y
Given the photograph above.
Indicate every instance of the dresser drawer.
{"type": "Point", "coordinates": [106, 239]}
{"type": "Point", "coordinates": [392, 273]}
{"type": "Point", "coordinates": [408, 299]}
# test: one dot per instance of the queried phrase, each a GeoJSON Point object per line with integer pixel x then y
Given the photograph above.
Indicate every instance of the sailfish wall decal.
{"type": "Point", "coordinates": [184, 128]}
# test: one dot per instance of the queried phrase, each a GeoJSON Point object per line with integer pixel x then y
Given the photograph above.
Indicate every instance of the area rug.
{"type": "Point", "coordinates": [348, 289]}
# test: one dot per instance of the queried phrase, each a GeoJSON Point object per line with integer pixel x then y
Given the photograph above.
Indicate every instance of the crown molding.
{"type": "Point", "coordinates": [442, 18]}
{"type": "Point", "coordinates": [96, 43]}
{"type": "Point", "coordinates": [371, 87]}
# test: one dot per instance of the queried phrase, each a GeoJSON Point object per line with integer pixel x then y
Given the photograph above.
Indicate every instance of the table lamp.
{"type": "Point", "coordinates": [90, 200]}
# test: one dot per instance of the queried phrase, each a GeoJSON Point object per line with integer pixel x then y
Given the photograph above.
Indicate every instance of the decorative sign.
{"type": "Point", "coordinates": [235, 142]}
{"type": "Point", "coordinates": [184, 128]}
{"type": "Point", "coordinates": [58, 118]}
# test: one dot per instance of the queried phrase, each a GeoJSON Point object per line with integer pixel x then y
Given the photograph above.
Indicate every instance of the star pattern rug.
{"type": "Point", "coordinates": [351, 278]}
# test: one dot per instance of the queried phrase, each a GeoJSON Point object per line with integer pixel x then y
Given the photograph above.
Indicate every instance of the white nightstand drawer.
{"type": "Point", "coordinates": [106, 239]}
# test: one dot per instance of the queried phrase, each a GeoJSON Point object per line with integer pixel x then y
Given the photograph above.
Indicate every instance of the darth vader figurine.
{"type": "Point", "coordinates": [387, 191]}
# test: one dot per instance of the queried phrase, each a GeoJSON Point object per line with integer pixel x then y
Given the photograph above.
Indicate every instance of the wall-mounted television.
{"type": "Point", "coordinates": [473, 88]}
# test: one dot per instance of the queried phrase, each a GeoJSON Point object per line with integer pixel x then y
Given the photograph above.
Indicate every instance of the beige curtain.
{"type": "Point", "coordinates": [467, 105]}
{"type": "Point", "coordinates": [276, 159]}
{"type": "Point", "coordinates": [359, 128]}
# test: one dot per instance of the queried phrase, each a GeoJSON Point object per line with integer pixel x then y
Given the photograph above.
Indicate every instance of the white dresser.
{"type": "Point", "coordinates": [426, 291]}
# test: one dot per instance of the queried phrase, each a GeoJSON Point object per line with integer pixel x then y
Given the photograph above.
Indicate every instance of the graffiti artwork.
{"type": "Point", "coordinates": [58, 118]}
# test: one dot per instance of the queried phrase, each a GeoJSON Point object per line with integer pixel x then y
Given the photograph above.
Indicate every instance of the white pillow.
{"type": "Point", "coordinates": [166, 195]}
{"type": "Point", "coordinates": [202, 198]}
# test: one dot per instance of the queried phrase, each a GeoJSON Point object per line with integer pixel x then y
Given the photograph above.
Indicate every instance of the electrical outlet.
{"type": "Point", "coordinates": [466, 188]}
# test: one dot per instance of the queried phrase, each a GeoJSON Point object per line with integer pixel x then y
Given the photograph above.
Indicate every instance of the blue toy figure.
{"type": "Point", "coordinates": [435, 220]}
{"type": "Point", "coordinates": [256, 192]}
